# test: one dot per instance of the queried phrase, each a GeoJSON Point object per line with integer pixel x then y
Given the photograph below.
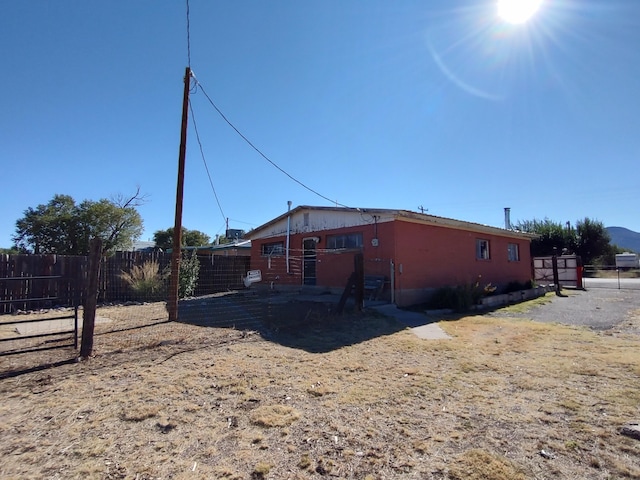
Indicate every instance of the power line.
{"type": "Point", "coordinates": [246, 223]}
{"type": "Point", "coordinates": [260, 152]}
{"type": "Point", "coordinates": [195, 128]}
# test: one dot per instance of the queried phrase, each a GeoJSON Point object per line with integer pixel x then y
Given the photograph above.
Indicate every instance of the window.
{"type": "Point", "coordinates": [349, 240]}
{"type": "Point", "coordinates": [482, 249]}
{"type": "Point", "coordinates": [513, 252]}
{"type": "Point", "coordinates": [271, 249]}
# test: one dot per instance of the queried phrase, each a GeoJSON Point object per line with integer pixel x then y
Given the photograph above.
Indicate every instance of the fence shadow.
{"type": "Point", "coordinates": [309, 324]}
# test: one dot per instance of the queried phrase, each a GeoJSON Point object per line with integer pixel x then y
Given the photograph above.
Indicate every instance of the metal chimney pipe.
{"type": "Point", "coordinates": [507, 218]}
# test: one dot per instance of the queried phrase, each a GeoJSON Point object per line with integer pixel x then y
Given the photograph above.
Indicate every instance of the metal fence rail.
{"type": "Point", "coordinates": [55, 329]}
{"type": "Point", "coordinates": [34, 293]}
{"type": "Point", "coordinates": [611, 277]}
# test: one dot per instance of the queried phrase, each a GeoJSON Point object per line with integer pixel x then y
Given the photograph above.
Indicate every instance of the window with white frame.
{"type": "Point", "coordinates": [482, 249]}
{"type": "Point", "coordinates": [513, 252]}
{"type": "Point", "coordinates": [272, 249]}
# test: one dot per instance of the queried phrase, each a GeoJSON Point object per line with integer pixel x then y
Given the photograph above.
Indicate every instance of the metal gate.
{"type": "Point", "coordinates": [611, 277]}
{"type": "Point", "coordinates": [569, 271]}
{"type": "Point", "coordinates": [55, 328]}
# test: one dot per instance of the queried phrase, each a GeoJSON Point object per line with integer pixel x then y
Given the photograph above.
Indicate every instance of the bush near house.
{"type": "Point", "coordinates": [461, 297]}
{"type": "Point", "coordinates": [149, 282]}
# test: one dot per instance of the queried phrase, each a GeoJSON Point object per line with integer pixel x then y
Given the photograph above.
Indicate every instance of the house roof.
{"type": "Point", "coordinates": [235, 245]}
{"type": "Point", "coordinates": [143, 245]}
{"type": "Point", "coordinates": [400, 215]}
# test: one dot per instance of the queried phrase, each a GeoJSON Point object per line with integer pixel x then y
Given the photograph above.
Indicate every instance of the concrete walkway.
{"type": "Point", "coordinates": [419, 323]}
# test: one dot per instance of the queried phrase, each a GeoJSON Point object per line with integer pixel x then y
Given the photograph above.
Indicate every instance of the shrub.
{"type": "Point", "coordinates": [189, 274]}
{"type": "Point", "coordinates": [517, 286]}
{"type": "Point", "coordinates": [462, 297]}
{"type": "Point", "coordinates": [146, 280]}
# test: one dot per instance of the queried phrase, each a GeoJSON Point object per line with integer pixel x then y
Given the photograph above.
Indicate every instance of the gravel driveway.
{"type": "Point", "coordinates": [599, 309]}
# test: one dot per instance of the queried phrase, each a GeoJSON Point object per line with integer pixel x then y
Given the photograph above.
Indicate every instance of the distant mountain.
{"type": "Point", "coordinates": [625, 238]}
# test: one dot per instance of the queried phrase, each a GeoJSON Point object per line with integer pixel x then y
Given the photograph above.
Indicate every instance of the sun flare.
{"type": "Point", "coordinates": [517, 11]}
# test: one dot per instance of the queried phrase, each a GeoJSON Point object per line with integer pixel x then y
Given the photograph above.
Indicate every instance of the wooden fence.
{"type": "Point", "coordinates": [21, 278]}
{"type": "Point", "coordinates": [40, 281]}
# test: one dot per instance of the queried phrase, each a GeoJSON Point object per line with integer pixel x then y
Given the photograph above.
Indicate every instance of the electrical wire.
{"type": "Point", "coordinates": [195, 128]}
{"type": "Point", "coordinates": [260, 152]}
{"type": "Point", "coordinates": [193, 90]}
{"type": "Point", "coordinates": [246, 223]}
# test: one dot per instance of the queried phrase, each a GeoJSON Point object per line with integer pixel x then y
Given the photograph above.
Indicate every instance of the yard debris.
{"type": "Point", "coordinates": [547, 455]}
{"type": "Point", "coordinates": [165, 427]}
{"type": "Point", "coordinates": [631, 430]}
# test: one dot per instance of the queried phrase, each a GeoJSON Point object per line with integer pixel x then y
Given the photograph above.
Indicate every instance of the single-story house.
{"type": "Point", "coordinates": [415, 253]}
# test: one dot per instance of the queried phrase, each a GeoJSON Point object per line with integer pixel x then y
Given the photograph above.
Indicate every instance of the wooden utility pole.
{"type": "Point", "coordinates": [355, 284]}
{"type": "Point", "coordinates": [176, 252]}
{"type": "Point", "coordinates": [358, 267]}
{"type": "Point", "coordinates": [91, 298]}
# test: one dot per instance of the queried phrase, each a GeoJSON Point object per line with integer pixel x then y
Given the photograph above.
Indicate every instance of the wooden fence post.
{"type": "Point", "coordinates": [556, 275]}
{"type": "Point", "coordinates": [358, 266]}
{"type": "Point", "coordinates": [91, 298]}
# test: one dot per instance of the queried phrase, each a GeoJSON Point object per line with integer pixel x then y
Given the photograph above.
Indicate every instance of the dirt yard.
{"type": "Point", "coordinates": [357, 397]}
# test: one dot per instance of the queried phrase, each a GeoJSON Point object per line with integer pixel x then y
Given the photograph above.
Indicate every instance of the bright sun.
{"type": "Point", "coordinates": [517, 11]}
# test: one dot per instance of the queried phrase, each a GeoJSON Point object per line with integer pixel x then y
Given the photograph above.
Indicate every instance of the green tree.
{"type": "Point", "coordinates": [48, 228]}
{"type": "Point", "coordinates": [589, 239]}
{"type": "Point", "coordinates": [116, 222]}
{"type": "Point", "coordinates": [609, 258]}
{"type": "Point", "coordinates": [63, 227]}
{"type": "Point", "coordinates": [593, 242]}
{"type": "Point", "coordinates": [553, 237]}
{"type": "Point", "coordinates": [190, 238]}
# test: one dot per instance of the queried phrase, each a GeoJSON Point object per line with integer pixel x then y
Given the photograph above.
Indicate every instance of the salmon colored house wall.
{"type": "Point", "coordinates": [332, 268]}
{"type": "Point", "coordinates": [425, 257]}
{"type": "Point", "coordinates": [430, 257]}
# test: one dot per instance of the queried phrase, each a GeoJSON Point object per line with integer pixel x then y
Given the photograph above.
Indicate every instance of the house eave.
{"type": "Point", "coordinates": [399, 215]}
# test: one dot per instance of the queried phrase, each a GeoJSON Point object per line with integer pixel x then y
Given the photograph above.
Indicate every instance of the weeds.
{"type": "Point", "coordinates": [149, 282]}
{"type": "Point", "coordinates": [381, 405]}
{"type": "Point", "coordinates": [462, 297]}
{"type": "Point", "coordinates": [146, 280]}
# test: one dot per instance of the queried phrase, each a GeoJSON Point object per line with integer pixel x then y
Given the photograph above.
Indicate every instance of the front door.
{"type": "Point", "coordinates": [309, 261]}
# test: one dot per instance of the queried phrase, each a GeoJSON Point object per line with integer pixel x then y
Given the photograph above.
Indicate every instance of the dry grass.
{"type": "Point", "coordinates": [183, 401]}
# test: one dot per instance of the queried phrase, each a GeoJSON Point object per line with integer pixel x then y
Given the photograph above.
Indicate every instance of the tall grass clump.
{"type": "Point", "coordinates": [146, 280]}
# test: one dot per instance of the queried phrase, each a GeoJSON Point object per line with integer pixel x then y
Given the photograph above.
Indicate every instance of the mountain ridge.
{"type": "Point", "coordinates": [624, 238]}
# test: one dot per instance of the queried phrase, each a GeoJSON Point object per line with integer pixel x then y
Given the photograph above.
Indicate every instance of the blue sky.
{"type": "Point", "coordinates": [380, 104]}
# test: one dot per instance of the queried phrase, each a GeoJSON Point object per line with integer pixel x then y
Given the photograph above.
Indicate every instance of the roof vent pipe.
{"type": "Point", "coordinates": [507, 218]}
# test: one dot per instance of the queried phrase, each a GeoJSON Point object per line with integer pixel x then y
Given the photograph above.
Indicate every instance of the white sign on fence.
{"type": "Point", "coordinates": [253, 276]}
